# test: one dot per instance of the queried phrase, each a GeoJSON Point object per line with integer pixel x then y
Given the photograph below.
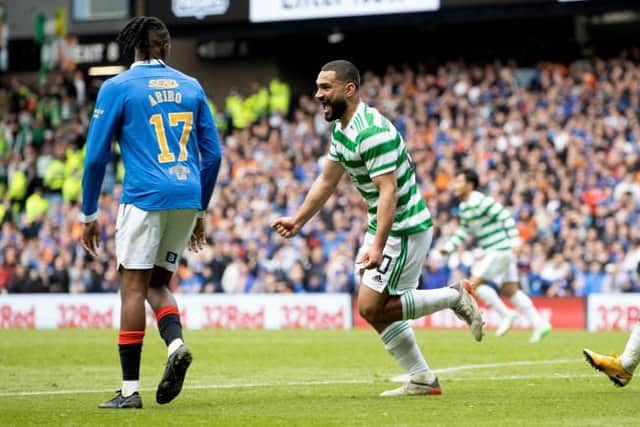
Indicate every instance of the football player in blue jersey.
{"type": "Point", "coordinates": [171, 153]}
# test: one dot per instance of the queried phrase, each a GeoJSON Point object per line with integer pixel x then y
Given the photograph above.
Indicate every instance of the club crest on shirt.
{"type": "Point", "coordinates": [181, 172]}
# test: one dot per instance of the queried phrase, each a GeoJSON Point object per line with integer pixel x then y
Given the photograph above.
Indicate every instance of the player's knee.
{"type": "Point", "coordinates": [370, 312]}
{"type": "Point", "coordinates": [509, 289]}
{"type": "Point", "coordinates": [134, 292]}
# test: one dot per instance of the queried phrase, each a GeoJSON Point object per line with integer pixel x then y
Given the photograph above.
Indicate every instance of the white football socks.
{"type": "Point", "coordinates": [418, 303]}
{"type": "Point", "coordinates": [400, 342]}
{"type": "Point", "coordinates": [129, 387]}
{"type": "Point", "coordinates": [631, 355]}
{"type": "Point", "coordinates": [490, 297]}
{"type": "Point", "coordinates": [525, 306]}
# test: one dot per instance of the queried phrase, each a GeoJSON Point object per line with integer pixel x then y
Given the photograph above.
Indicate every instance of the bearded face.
{"type": "Point", "coordinates": [331, 94]}
{"type": "Point", "coordinates": [334, 108]}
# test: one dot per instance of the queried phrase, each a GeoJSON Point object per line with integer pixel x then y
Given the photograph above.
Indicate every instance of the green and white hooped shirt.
{"type": "Point", "coordinates": [371, 146]}
{"type": "Point", "coordinates": [488, 221]}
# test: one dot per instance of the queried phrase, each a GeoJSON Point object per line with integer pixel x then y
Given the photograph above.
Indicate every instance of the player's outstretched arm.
{"type": "Point", "coordinates": [320, 191]}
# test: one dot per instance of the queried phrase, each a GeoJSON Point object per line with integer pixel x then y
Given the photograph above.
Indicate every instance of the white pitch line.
{"type": "Point", "coordinates": [527, 377]}
{"type": "Point", "coordinates": [400, 378]}
{"type": "Point", "coordinates": [193, 387]}
{"type": "Point", "coordinates": [277, 384]}
{"type": "Point", "coordinates": [404, 377]}
{"type": "Point", "coordinates": [507, 364]}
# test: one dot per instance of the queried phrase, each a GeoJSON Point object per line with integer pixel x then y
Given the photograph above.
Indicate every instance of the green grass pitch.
{"type": "Point", "coordinates": [314, 378]}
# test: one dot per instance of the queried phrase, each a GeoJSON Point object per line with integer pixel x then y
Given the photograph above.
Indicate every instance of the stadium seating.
{"type": "Point", "coordinates": [558, 144]}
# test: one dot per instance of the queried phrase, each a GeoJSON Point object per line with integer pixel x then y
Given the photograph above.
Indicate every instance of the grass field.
{"type": "Point", "coordinates": [319, 378]}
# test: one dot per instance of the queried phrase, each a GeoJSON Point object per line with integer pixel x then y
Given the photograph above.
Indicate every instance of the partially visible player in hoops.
{"type": "Point", "coordinates": [368, 147]}
{"type": "Point", "coordinates": [171, 153]}
{"type": "Point", "coordinates": [495, 230]}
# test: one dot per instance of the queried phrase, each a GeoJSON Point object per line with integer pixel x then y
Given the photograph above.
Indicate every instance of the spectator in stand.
{"type": "Point", "coordinates": [595, 280]}
{"type": "Point", "coordinates": [296, 277]}
{"type": "Point", "coordinates": [8, 268]}
{"type": "Point", "coordinates": [316, 273]}
{"type": "Point", "coordinates": [26, 280]}
{"type": "Point", "coordinates": [189, 281]}
{"type": "Point", "coordinates": [434, 274]}
{"type": "Point", "coordinates": [555, 275]}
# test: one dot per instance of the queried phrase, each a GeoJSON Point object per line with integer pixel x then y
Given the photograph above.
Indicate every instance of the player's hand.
{"type": "Point", "coordinates": [91, 237]}
{"type": "Point", "coordinates": [371, 258]}
{"type": "Point", "coordinates": [197, 240]}
{"type": "Point", "coordinates": [286, 226]}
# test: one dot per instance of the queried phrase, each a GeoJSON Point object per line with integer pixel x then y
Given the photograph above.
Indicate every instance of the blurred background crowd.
{"type": "Point", "coordinates": [557, 144]}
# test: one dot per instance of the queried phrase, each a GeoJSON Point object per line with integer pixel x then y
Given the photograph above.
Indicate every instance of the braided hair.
{"type": "Point", "coordinates": [144, 33]}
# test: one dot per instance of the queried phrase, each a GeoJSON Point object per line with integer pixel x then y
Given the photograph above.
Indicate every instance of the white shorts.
{"type": "Point", "coordinates": [498, 267]}
{"type": "Point", "coordinates": [146, 239]}
{"type": "Point", "coordinates": [402, 261]}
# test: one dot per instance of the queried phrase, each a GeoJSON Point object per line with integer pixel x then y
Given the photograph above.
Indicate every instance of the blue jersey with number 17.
{"type": "Point", "coordinates": [168, 140]}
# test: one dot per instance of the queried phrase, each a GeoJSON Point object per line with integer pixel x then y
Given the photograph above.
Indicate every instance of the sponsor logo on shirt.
{"type": "Point", "coordinates": [163, 84]}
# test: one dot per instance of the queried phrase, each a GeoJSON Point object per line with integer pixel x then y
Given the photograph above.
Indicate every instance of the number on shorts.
{"type": "Point", "coordinates": [384, 264]}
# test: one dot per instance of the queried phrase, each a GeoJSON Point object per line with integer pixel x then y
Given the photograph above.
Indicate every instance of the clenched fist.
{"type": "Point", "coordinates": [286, 226]}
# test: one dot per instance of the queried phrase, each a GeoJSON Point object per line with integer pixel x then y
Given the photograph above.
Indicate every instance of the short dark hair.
{"type": "Point", "coordinates": [135, 35]}
{"type": "Point", "coordinates": [345, 71]}
{"type": "Point", "coordinates": [471, 176]}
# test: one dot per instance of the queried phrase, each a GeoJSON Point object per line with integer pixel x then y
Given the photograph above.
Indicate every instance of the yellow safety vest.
{"type": "Point", "coordinates": [54, 175]}
{"type": "Point", "coordinates": [35, 207]}
{"type": "Point", "coordinates": [18, 186]}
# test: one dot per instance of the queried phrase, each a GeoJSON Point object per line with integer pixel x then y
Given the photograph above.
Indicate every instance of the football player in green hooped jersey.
{"type": "Point", "coordinates": [369, 148]}
{"type": "Point", "coordinates": [495, 231]}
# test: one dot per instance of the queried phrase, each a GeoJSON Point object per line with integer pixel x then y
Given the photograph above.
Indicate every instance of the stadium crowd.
{"type": "Point", "coordinates": [559, 145]}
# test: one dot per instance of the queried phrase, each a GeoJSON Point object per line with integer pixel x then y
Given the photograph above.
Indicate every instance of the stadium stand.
{"type": "Point", "coordinates": [558, 144]}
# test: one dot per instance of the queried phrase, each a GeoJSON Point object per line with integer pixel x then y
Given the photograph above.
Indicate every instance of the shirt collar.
{"type": "Point", "coordinates": [147, 62]}
{"type": "Point", "coordinates": [359, 110]}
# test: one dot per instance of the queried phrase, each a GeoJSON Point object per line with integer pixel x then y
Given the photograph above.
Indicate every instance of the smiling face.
{"type": "Point", "coordinates": [332, 94]}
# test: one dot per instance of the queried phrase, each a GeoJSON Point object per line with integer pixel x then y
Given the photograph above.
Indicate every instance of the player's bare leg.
{"type": "Point", "coordinates": [133, 293]}
{"type": "Point", "coordinates": [168, 317]}
{"type": "Point", "coordinates": [491, 298]}
{"type": "Point", "coordinates": [523, 303]}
